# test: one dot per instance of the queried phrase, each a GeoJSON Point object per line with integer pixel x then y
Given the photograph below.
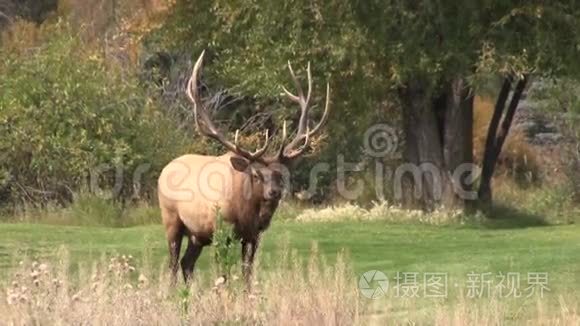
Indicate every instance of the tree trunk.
{"type": "Point", "coordinates": [484, 192]}
{"type": "Point", "coordinates": [494, 142]}
{"type": "Point", "coordinates": [438, 130]}
{"type": "Point", "coordinates": [458, 140]}
{"type": "Point", "coordinates": [422, 144]}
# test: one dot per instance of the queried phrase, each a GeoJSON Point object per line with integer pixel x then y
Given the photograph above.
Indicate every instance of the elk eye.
{"type": "Point", "coordinates": [278, 179]}
{"type": "Point", "coordinates": [257, 175]}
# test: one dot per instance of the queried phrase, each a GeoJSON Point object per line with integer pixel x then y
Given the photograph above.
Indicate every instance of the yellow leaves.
{"type": "Point", "coordinates": [94, 58]}
{"type": "Point", "coordinates": [395, 74]}
{"type": "Point", "coordinates": [21, 35]}
{"type": "Point", "coordinates": [487, 56]}
{"type": "Point", "coordinates": [490, 61]}
{"type": "Point", "coordinates": [148, 18]}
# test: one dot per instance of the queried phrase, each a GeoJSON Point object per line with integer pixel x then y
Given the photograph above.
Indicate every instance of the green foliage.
{"type": "Point", "coordinates": [439, 40]}
{"type": "Point", "coordinates": [86, 209]}
{"type": "Point", "coordinates": [367, 49]}
{"type": "Point", "coordinates": [557, 96]}
{"type": "Point", "coordinates": [65, 111]}
{"type": "Point", "coordinates": [388, 41]}
{"type": "Point", "coordinates": [249, 44]}
{"type": "Point", "coordinates": [225, 246]}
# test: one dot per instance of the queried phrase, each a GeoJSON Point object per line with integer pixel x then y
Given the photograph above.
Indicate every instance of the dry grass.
{"type": "Point", "coordinates": [114, 292]}
{"type": "Point", "coordinates": [291, 291]}
{"type": "Point", "coordinates": [459, 310]}
{"type": "Point", "coordinates": [495, 313]}
{"type": "Point", "coordinates": [379, 211]}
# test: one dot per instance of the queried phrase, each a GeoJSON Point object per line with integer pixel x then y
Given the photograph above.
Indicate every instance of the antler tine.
{"type": "Point", "coordinates": [300, 96]}
{"type": "Point", "coordinates": [259, 152]}
{"type": "Point", "coordinates": [191, 90]}
{"type": "Point", "coordinates": [285, 134]}
{"type": "Point", "coordinates": [290, 95]}
{"type": "Point", "coordinates": [322, 121]}
{"type": "Point", "coordinates": [209, 129]}
{"type": "Point", "coordinates": [309, 73]}
{"type": "Point", "coordinates": [304, 132]}
{"type": "Point", "coordinates": [280, 154]}
{"type": "Point", "coordinates": [302, 148]}
{"type": "Point", "coordinates": [309, 132]}
{"type": "Point", "coordinates": [303, 102]}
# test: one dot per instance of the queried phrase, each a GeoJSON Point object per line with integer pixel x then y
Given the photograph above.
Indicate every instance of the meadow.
{"type": "Point", "coordinates": [371, 245]}
{"type": "Point", "coordinates": [322, 262]}
{"type": "Point", "coordinates": [93, 107]}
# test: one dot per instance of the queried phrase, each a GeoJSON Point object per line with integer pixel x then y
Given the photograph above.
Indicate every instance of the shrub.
{"type": "Point", "coordinates": [225, 246]}
{"type": "Point", "coordinates": [65, 111]}
{"type": "Point", "coordinates": [554, 204]}
{"type": "Point", "coordinates": [559, 98]}
{"type": "Point", "coordinates": [86, 209]}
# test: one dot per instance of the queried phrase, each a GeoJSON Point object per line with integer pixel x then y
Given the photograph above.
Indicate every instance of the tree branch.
{"type": "Point", "coordinates": [509, 116]}
{"type": "Point", "coordinates": [490, 142]}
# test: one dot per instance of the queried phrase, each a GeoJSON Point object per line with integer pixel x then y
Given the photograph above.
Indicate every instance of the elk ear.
{"type": "Point", "coordinates": [239, 163]}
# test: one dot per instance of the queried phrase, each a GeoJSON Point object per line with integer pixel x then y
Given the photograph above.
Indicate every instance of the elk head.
{"type": "Point", "coordinates": [266, 172]}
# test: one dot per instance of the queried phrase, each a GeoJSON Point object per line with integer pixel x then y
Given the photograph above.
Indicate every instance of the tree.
{"type": "Point", "coordinates": [249, 45]}
{"type": "Point", "coordinates": [440, 51]}
{"type": "Point", "coordinates": [431, 56]}
{"type": "Point", "coordinates": [548, 40]}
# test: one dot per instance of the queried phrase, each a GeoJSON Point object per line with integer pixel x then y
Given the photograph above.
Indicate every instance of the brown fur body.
{"type": "Point", "coordinates": [193, 187]}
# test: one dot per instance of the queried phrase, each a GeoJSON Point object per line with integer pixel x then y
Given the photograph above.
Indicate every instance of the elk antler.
{"type": "Point", "coordinates": [207, 128]}
{"type": "Point", "coordinates": [304, 133]}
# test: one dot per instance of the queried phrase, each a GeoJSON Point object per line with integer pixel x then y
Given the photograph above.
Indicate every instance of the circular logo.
{"type": "Point", "coordinates": [380, 140]}
{"type": "Point", "coordinates": [373, 284]}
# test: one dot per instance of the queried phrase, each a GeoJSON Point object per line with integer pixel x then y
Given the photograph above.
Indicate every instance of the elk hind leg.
{"type": "Point", "coordinates": [174, 231]}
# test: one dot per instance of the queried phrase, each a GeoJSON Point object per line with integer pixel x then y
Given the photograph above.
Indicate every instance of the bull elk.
{"type": "Point", "coordinates": [244, 186]}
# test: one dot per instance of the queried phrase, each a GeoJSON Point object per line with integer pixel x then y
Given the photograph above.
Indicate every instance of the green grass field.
{"type": "Point", "coordinates": [453, 250]}
{"type": "Point", "coordinates": [391, 248]}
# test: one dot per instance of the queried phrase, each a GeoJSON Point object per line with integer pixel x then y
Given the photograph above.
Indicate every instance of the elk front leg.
{"type": "Point", "coordinates": [249, 248]}
{"type": "Point", "coordinates": [191, 255]}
